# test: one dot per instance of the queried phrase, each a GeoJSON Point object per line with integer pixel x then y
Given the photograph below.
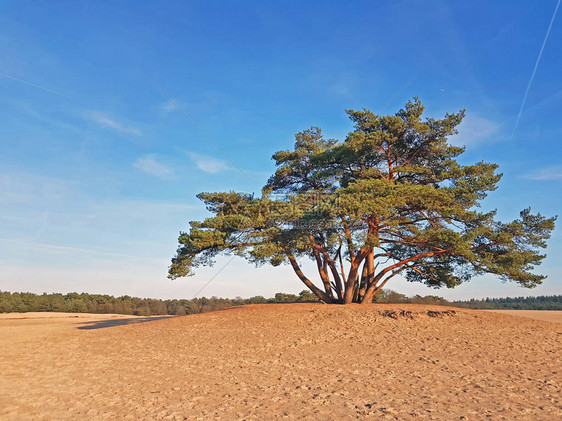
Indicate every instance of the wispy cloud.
{"type": "Point", "coordinates": [26, 189]}
{"type": "Point", "coordinates": [150, 165]}
{"type": "Point", "coordinates": [473, 130]}
{"type": "Point", "coordinates": [208, 164]}
{"type": "Point", "coordinates": [209, 138]}
{"type": "Point", "coordinates": [166, 108]}
{"type": "Point", "coordinates": [554, 172]}
{"type": "Point", "coordinates": [106, 122]}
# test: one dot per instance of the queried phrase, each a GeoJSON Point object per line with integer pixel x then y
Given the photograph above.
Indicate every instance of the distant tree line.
{"type": "Point", "coordinates": [543, 302]}
{"type": "Point", "coordinates": [21, 302]}
{"type": "Point", "coordinates": [390, 297]}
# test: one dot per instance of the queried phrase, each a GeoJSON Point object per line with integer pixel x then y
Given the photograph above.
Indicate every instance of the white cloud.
{"type": "Point", "coordinates": [167, 108]}
{"type": "Point", "coordinates": [208, 164]}
{"type": "Point", "coordinates": [474, 130]}
{"type": "Point", "coordinates": [553, 172]}
{"type": "Point", "coordinates": [206, 101]}
{"type": "Point", "coordinates": [25, 189]}
{"type": "Point", "coordinates": [106, 122]}
{"type": "Point", "coordinates": [150, 165]}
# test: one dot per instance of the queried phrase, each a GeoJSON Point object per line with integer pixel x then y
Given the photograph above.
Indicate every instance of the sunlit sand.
{"type": "Point", "coordinates": [288, 361]}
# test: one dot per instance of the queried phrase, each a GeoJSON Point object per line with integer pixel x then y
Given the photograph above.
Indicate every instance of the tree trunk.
{"type": "Point", "coordinates": [362, 287]}
{"type": "Point", "coordinates": [370, 294]}
{"type": "Point", "coordinates": [337, 280]}
{"type": "Point", "coordinates": [374, 288]}
{"type": "Point", "coordinates": [369, 270]}
{"type": "Point", "coordinates": [351, 282]}
{"type": "Point", "coordinates": [323, 273]}
{"type": "Point", "coordinates": [400, 266]}
{"type": "Point", "coordinates": [317, 291]}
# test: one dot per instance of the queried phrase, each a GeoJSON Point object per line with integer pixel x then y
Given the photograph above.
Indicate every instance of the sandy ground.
{"type": "Point", "coordinates": [546, 315]}
{"type": "Point", "coordinates": [297, 361]}
{"type": "Point", "coordinates": [55, 315]}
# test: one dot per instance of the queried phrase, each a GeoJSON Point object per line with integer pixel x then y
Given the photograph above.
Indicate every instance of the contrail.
{"type": "Point", "coordinates": [534, 70]}
{"type": "Point", "coordinates": [72, 249]}
{"type": "Point", "coordinates": [33, 84]}
{"type": "Point", "coordinates": [398, 93]}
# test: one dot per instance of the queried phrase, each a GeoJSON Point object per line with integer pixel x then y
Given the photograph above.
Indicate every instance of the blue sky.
{"type": "Point", "coordinates": [99, 171]}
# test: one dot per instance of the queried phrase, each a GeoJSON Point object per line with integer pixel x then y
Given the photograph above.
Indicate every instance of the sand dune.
{"type": "Point", "coordinates": [56, 315]}
{"type": "Point", "coordinates": [297, 361]}
{"type": "Point", "coordinates": [546, 315]}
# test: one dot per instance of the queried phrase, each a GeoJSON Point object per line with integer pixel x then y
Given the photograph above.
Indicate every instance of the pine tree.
{"type": "Point", "coordinates": [390, 199]}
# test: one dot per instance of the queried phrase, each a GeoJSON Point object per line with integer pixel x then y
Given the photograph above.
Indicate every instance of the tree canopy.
{"type": "Point", "coordinates": [389, 199]}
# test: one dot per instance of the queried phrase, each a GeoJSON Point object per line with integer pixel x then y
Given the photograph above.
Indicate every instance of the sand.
{"type": "Point", "coordinates": [546, 315]}
{"type": "Point", "coordinates": [55, 315]}
{"type": "Point", "coordinates": [294, 361]}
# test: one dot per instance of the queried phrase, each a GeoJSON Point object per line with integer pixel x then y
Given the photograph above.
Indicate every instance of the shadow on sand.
{"type": "Point", "coordinates": [100, 324]}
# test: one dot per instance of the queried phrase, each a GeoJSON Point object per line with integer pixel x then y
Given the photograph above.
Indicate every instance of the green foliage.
{"type": "Point", "coordinates": [286, 298]}
{"type": "Point", "coordinates": [307, 296]}
{"type": "Point", "coordinates": [542, 302]}
{"type": "Point", "coordinates": [106, 304]}
{"type": "Point", "coordinates": [21, 302]}
{"type": "Point", "coordinates": [391, 198]}
{"type": "Point", "coordinates": [393, 297]}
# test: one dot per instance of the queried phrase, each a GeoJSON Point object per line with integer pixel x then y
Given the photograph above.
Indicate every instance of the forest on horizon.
{"type": "Point", "coordinates": [21, 302]}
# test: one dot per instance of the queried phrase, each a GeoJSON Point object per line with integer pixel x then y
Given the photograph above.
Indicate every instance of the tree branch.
{"type": "Point", "coordinates": [317, 291]}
